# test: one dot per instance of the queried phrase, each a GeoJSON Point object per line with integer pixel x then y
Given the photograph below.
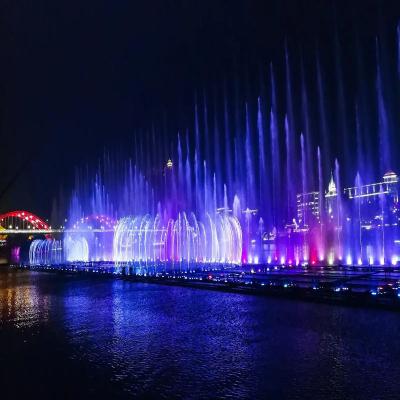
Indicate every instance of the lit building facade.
{"type": "Point", "coordinates": [376, 203]}
{"type": "Point", "coordinates": [308, 208]}
{"type": "Point", "coordinates": [360, 224]}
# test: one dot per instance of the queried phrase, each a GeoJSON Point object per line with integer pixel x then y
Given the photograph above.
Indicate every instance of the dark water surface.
{"type": "Point", "coordinates": [82, 337]}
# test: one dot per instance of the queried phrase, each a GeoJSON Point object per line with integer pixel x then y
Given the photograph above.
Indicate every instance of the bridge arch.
{"type": "Point", "coordinates": [22, 220]}
{"type": "Point", "coordinates": [96, 221]}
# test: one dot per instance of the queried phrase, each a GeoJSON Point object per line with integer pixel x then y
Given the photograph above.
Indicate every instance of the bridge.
{"type": "Point", "coordinates": [25, 222]}
{"type": "Point", "coordinates": [50, 231]}
{"type": "Point", "coordinates": [23, 219]}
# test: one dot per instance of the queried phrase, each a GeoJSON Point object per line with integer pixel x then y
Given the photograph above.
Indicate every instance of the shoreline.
{"type": "Point", "coordinates": [324, 294]}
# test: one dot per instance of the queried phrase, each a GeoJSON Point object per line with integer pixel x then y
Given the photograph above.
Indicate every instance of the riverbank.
{"type": "Point", "coordinates": [378, 289]}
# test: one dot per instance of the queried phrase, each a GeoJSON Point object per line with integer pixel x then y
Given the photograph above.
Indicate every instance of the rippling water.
{"type": "Point", "coordinates": [72, 336]}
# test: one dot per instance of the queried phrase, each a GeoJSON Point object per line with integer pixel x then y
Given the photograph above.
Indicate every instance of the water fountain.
{"type": "Point", "coordinates": [244, 186]}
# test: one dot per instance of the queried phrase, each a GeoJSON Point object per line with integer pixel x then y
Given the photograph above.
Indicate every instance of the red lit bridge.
{"type": "Point", "coordinates": [25, 222]}
{"type": "Point", "coordinates": [22, 222]}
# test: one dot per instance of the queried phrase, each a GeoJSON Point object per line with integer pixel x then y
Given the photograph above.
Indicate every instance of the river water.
{"type": "Point", "coordinates": [67, 336]}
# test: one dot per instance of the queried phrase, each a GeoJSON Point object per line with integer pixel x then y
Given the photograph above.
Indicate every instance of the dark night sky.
{"type": "Point", "coordinates": [78, 76]}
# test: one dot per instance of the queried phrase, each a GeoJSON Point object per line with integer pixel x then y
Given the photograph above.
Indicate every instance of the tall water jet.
{"type": "Point", "coordinates": [217, 153]}
{"type": "Point", "coordinates": [322, 113]}
{"type": "Point", "coordinates": [359, 247]}
{"type": "Point", "coordinates": [306, 126]}
{"type": "Point", "coordinates": [339, 214]}
{"type": "Point", "coordinates": [303, 171]}
{"type": "Point", "coordinates": [206, 134]}
{"type": "Point", "coordinates": [228, 167]}
{"type": "Point", "coordinates": [289, 130]}
{"type": "Point", "coordinates": [188, 176]}
{"type": "Point", "coordinates": [385, 159]}
{"type": "Point", "coordinates": [275, 154]}
{"type": "Point", "coordinates": [341, 101]}
{"type": "Point", "coordinates": [321, 211]}
{"type": "Point", "coordinates": [364, 114]}
{"type": "Point", "coordinates": [289, 171]}
{"type": "Point", "coordinates": [181, 174]}
{"type": "Point", "coordinates": [359, 145]}
{"type": "Point", "coordinates": [249, 163]}
{"type": "Point", "coordinates": [263, 181]}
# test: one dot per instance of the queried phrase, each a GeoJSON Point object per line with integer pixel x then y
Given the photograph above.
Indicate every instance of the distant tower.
{"type": "Point", "coordinates": [331, 199]}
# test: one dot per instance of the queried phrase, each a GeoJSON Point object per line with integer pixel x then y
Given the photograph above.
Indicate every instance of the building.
{"type": "Point", "coordinates": [372, 191]}
{"type": "Point", "coordinates": [308, 208]}
{"type": "Point", "coordinates": [375, 202]}
{"type": "Point", "coordinates": [370, 203]}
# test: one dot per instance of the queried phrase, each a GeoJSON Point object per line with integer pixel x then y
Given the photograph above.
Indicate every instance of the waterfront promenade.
{"type": "Point", "coordinates": [359, 286]}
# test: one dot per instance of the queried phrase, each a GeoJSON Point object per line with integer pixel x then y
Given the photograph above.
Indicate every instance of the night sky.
{"type": "Point", "coordinates": [80, 76]}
